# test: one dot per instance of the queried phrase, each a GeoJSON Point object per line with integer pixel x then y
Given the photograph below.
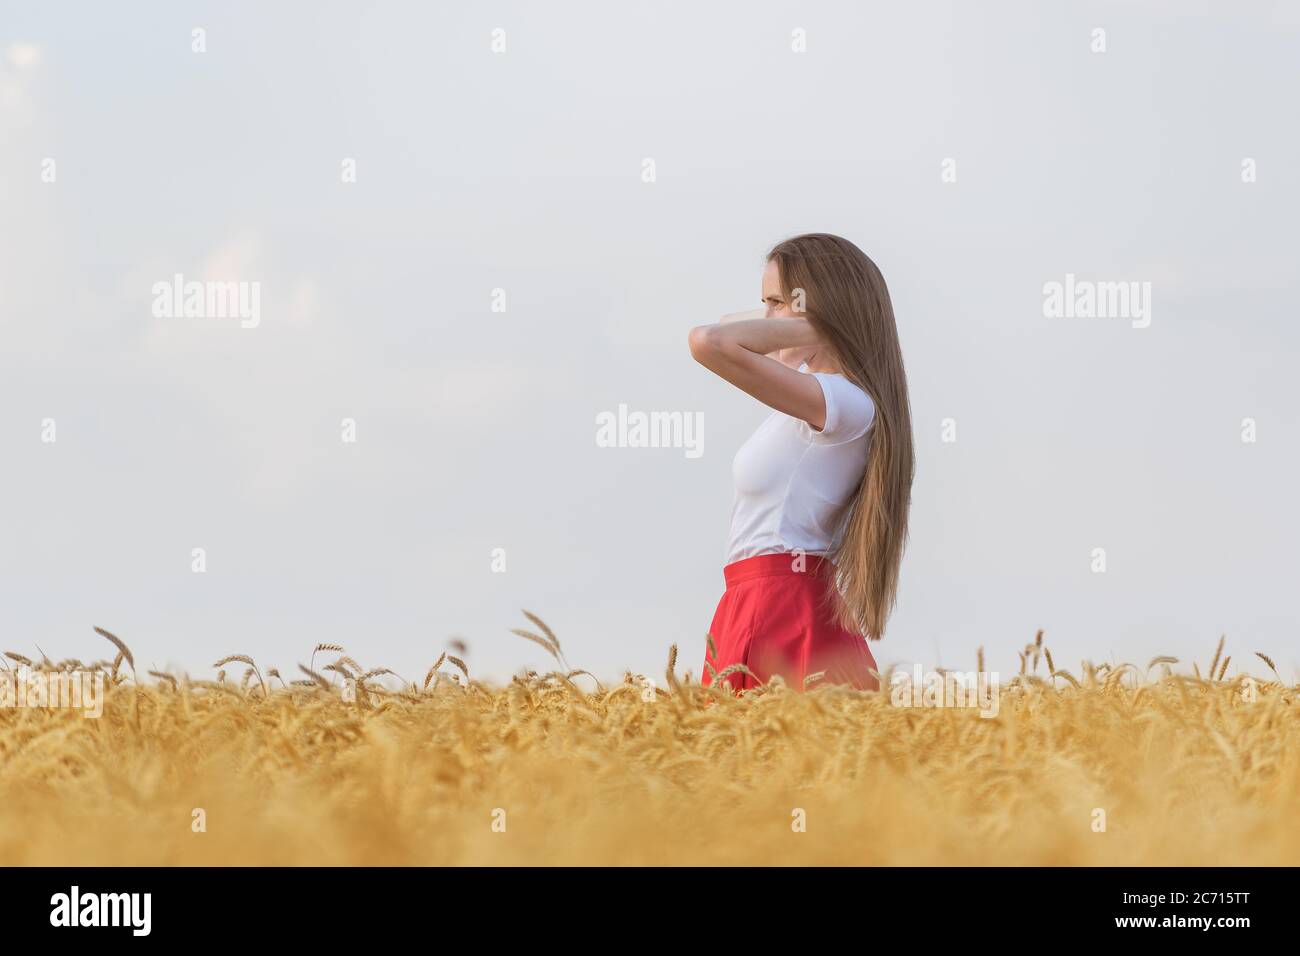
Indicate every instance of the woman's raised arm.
{"type": "Point", "coordinates": [739, 350]}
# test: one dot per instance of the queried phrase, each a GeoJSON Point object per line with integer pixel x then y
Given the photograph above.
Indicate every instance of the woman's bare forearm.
{"type": "Point", "coordinates": [760, 336]}
{"type": "Point", "coordinates": [793, 358]}
{"type": "Point", "coordinates": [748, 314]}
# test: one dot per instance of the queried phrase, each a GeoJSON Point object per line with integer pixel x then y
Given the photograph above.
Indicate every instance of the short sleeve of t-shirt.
{"type": "Point", "coordinates": [849, 410]}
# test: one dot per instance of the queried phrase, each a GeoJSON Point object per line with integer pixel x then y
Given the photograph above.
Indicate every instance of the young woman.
{"type": "Point", "coordinates": [823, 486]}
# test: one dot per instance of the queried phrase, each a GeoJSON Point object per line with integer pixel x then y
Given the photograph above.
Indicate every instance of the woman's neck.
{"type": "Point", "coordinates": [821, 361]}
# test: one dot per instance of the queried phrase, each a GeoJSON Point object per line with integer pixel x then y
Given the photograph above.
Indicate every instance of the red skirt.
{"type": "Point", "coordinates": [774, 618]}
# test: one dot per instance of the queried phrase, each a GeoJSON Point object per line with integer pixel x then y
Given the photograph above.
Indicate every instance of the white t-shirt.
{"type": "Point", "coordinates": [794, 484]}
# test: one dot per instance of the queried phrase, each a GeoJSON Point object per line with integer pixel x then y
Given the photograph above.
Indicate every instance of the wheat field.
{"type": "Point", "coordinates": [560, 769]}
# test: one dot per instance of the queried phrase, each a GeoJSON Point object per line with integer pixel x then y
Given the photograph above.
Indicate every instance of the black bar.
{"type": "Point", "coordinates": [334, 905]}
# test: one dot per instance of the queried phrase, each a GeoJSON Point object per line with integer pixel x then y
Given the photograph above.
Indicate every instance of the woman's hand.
{"type": "Point", "coordinates": [795, 358]}
{"type": "Point", "coordinates": [739, 350]}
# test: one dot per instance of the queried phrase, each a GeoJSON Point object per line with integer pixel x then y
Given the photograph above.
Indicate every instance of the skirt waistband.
{"type": "Point", "coordinates": [787, 564]}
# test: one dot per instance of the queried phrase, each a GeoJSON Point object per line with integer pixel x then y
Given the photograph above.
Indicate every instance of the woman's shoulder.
{"type": "Point", "coordinates": [849, 409]}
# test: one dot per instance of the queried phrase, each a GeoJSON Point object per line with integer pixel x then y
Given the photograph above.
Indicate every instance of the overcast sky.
{"type": "Point", "coordinates": [524, 170]}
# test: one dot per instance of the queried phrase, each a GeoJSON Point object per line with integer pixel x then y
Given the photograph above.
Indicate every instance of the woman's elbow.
{"type": "Point", "coordinates": [703, 343]}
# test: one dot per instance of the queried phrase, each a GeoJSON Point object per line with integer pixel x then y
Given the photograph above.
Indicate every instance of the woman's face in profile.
{"type": "Point", "coordinates": [774, 301]}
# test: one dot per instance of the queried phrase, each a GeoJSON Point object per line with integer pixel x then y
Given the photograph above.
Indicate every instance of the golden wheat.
{"type": "Point", "coordinates": [1187, 771]}
{"type": "Point", "coordinates": [122, 649]}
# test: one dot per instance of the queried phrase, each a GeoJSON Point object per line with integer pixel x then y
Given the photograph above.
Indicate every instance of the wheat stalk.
{"type": "Point", "coordinates": [537, 639]}
{"type": "Point", "coordinates": [316, 678]}
{"type": "Point", "coordinates": [121, 647]}
{"type": "Point", "coordinates": [550, 635]}
{"type": "Point", "coordinates": [434, 669]}
{"type": "Point", "coordinates": [164, 676]}
{"type": "Point", "coordinates": [338, 668]}
{"type": "Point", "coordinates": [233, 658]}
{"type": "Point", "coordinates": [323, 647]}
{"type": "Point", "coordinates": [732, 669]}
{"type": "Point", "coordinates": [1214, 664]}
{"type": "Point", "coordinates": [243, 659]}
{"type": "Point", "coordinates": [1269, 661]}
{"type": "Point", "coordinates": [1224, 669]}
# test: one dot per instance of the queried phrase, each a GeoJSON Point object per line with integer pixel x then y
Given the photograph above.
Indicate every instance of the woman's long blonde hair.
{"type": "Point", "coordinates": [847, 302]}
